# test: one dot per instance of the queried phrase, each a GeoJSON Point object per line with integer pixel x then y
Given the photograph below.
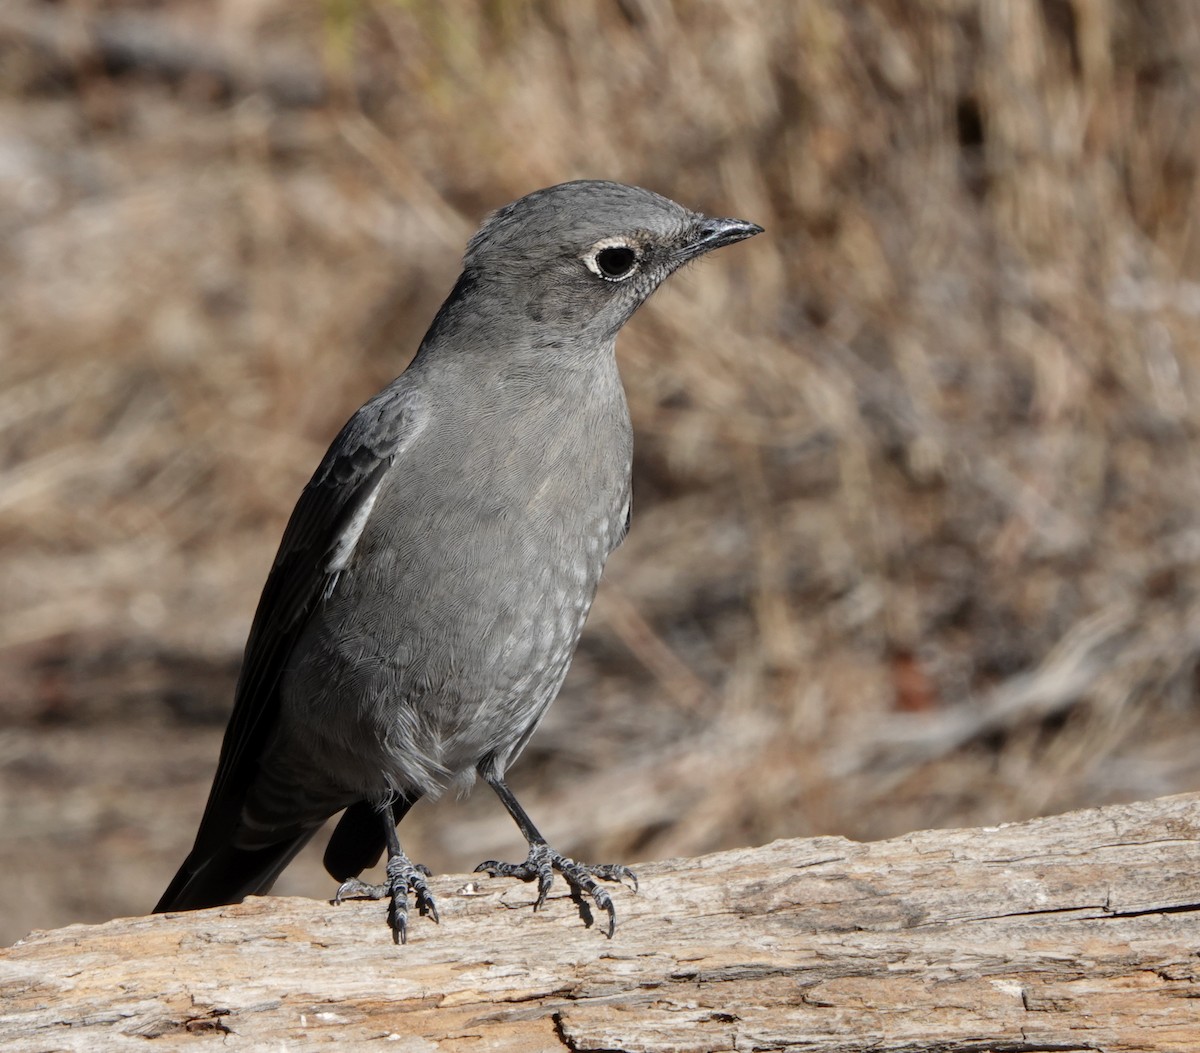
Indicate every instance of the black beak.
{"type": "Point", "coordinates": [709, 234]}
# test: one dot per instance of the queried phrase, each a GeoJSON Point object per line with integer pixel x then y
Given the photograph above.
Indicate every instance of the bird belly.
{"type": "Point", "coordinates": [444, 654]}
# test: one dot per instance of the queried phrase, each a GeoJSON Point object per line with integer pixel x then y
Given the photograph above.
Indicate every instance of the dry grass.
{"type": "Point", "coordinates": [916, 538]}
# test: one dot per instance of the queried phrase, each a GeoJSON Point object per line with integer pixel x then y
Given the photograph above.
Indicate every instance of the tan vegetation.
{"type": "Point", "coordinates": [915, 539]}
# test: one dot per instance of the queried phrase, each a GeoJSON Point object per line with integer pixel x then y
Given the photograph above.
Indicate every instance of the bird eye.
{"type": "Point", "coordinates": [613, 262]}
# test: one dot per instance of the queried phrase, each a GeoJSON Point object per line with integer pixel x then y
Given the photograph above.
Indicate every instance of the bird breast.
{"type": "Point", "coordinates": [452, 626]}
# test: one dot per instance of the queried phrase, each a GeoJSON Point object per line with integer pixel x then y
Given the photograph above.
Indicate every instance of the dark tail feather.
{"type": "Point", "coordinates": [357, 840]}
{"type": "Point", "coordinates": [229, 875]}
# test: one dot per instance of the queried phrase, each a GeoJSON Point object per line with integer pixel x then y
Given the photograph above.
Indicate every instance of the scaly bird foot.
{"type": "Point", "coordinates": [402, 875]}
{"type": "Point", "coordinates": [540, 865]}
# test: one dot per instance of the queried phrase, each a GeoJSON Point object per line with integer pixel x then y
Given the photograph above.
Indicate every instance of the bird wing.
{"type": "Point", "coordinates": [317, 544]}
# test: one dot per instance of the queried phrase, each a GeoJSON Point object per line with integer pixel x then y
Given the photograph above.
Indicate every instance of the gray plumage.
{"type": "Point", "coordinates": [432, 583]}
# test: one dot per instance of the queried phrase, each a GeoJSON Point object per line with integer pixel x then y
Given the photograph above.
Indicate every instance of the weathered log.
{"type": "Point", "coordinates": [1077, 932]}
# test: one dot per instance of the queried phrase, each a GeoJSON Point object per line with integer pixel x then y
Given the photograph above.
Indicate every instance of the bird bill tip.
{"type": "Point", "coordinates": [713, 233]}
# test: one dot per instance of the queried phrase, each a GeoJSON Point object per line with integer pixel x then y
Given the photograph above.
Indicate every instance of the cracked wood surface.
{"type": "Point", "coordinates": [1077, 932]}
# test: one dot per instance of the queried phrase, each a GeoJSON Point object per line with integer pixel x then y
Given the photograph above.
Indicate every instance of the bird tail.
{"type": "Point", "coordinates": [229, 875]}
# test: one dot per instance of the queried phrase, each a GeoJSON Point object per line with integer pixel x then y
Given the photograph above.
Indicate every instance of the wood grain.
{"type": "Point", "coordinates": [1077, 932]}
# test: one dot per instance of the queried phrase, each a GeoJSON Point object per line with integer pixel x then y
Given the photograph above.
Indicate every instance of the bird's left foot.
{"type": "Point", "coordinates": [402, 875]}
{"type": "Point", "coordinates": [583, 878]}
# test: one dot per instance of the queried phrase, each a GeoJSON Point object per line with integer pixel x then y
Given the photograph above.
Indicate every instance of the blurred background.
{"type": "Point", "coordinates": [917, 523]}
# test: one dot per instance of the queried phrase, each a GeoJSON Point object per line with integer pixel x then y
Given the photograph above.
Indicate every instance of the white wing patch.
{"type": "Point", "coordinates": [343, 548]}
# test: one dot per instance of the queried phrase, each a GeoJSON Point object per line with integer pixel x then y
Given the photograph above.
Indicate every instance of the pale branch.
{"type": "Point", "coordinates": [1077, 932]}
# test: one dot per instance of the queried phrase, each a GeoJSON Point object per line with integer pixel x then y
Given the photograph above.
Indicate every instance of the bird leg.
{"type": "Point", "coordinates": [543, 860]}
{"type": "Point", "coordinates": [401, 875]}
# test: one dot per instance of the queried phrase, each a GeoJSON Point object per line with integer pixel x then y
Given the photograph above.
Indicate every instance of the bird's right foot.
{"type": "Point", "coordinates": [582, 878]}
{"type": "Point", "coordinates": [402, 875]}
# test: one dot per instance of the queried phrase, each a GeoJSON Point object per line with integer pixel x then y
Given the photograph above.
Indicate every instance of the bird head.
{"type": "Point", "coordinates": [581, 257]}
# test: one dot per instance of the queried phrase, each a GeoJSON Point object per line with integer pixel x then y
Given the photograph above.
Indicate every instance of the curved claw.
{"type": "Point", "coordinates": [618, 873]}
{"type": "Point", "coordinates": [356, 888]}
{"type": "Point", "coordinates": [545, 882]}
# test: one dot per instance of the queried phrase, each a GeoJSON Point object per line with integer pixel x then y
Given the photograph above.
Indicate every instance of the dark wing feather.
{"type": "Point", "coordinates": [318, 538]}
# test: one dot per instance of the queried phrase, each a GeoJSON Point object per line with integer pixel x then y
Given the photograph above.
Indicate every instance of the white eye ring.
{"type": "Point", "coordinates": [613, 259]}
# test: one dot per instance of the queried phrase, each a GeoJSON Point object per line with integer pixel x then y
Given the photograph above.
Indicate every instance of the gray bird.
{"type": "Point", "coordinates": [435, 575]}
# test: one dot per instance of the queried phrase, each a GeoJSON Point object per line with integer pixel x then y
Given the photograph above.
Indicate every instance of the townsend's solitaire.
{"type": "Point", "coordinates": [433, 580]}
